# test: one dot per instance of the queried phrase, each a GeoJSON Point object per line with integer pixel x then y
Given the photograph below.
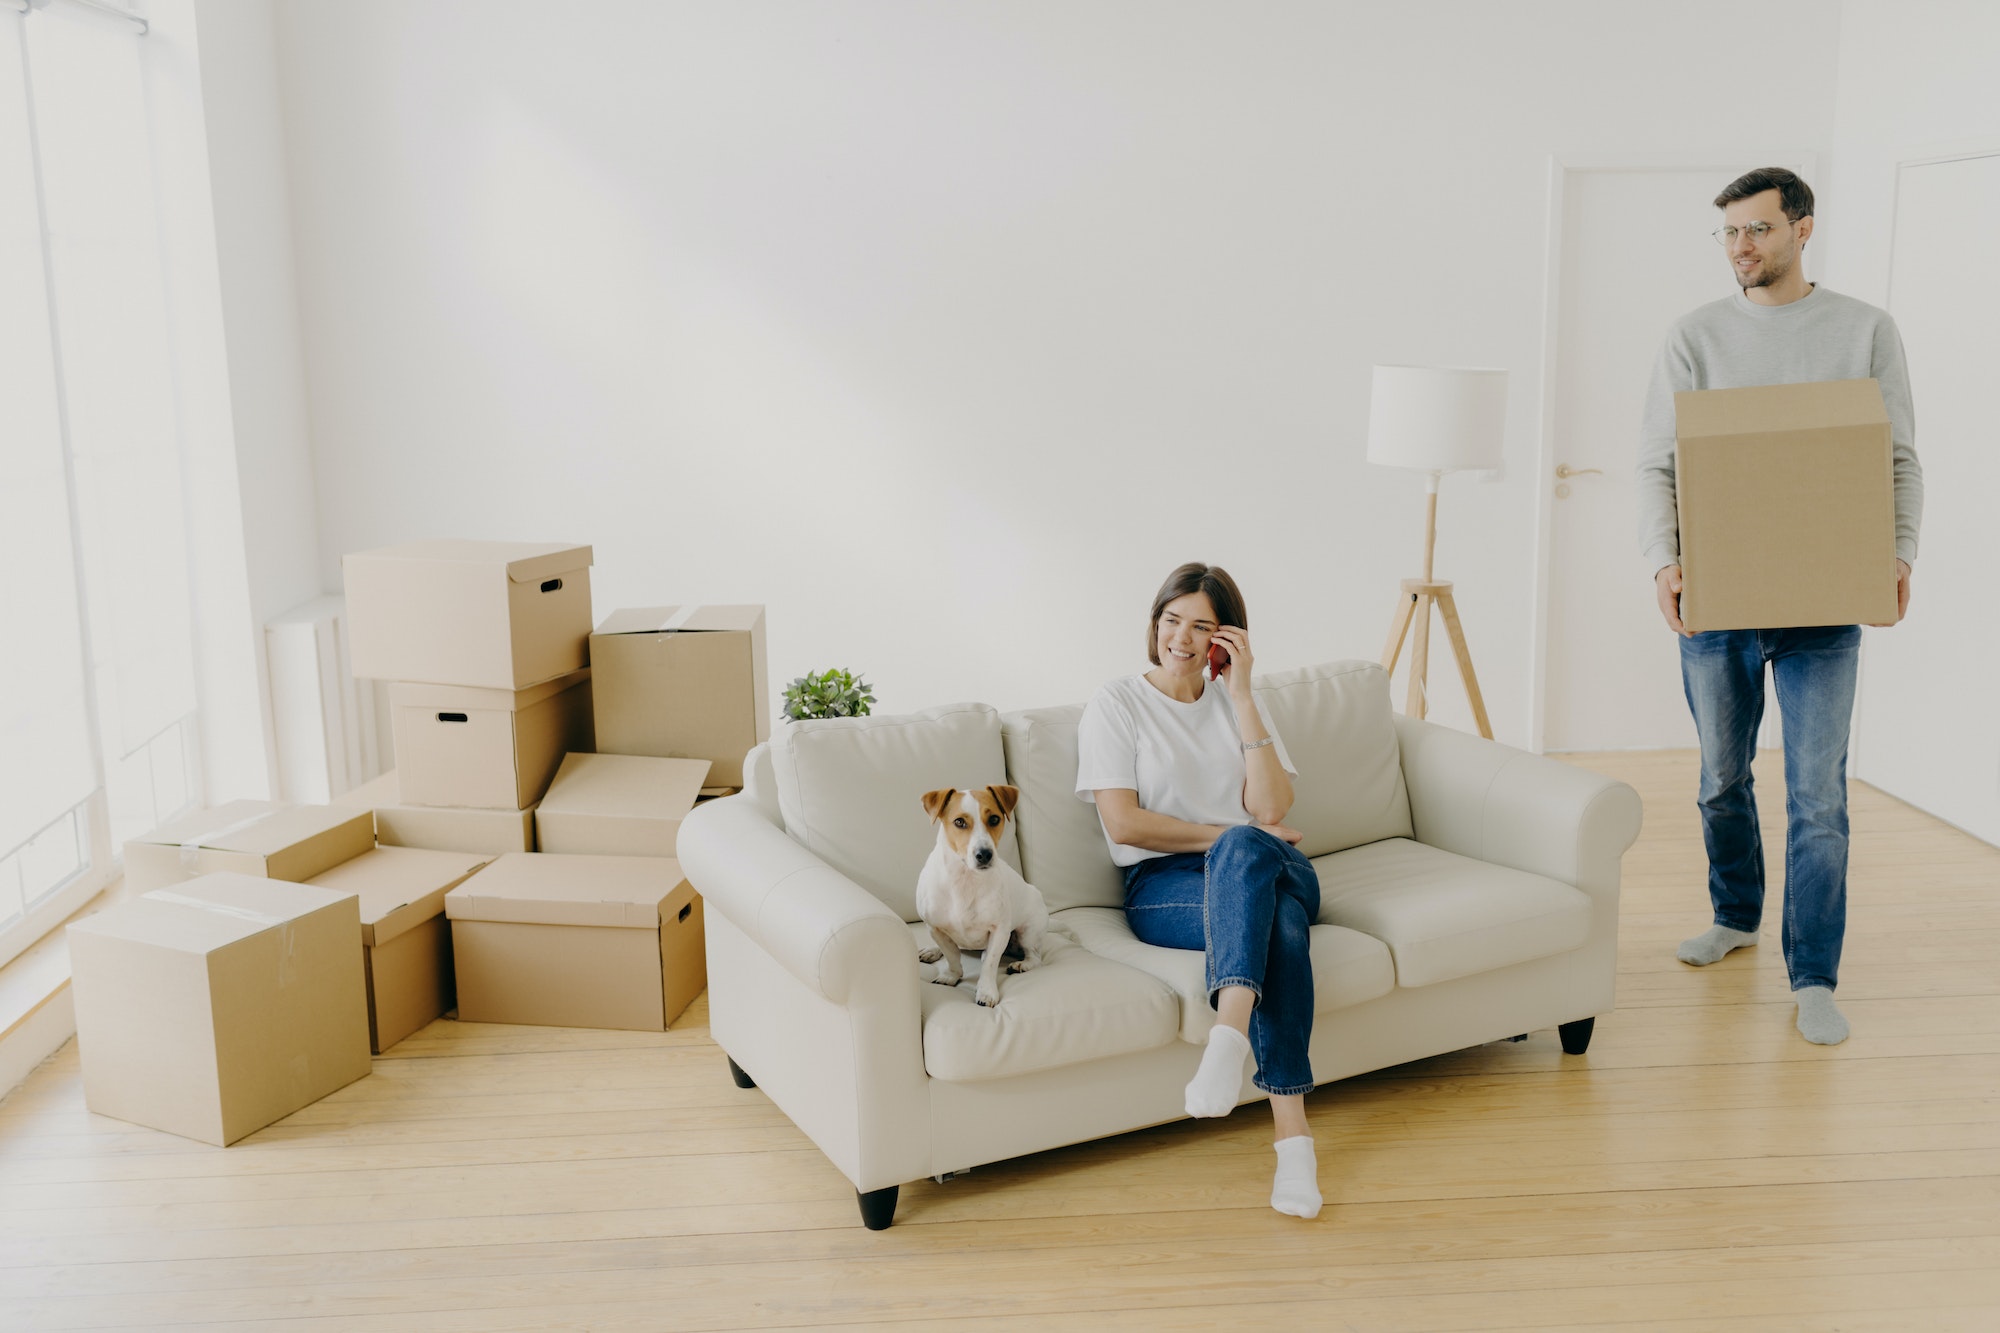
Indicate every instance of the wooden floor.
{"type": "Point", "coordinates": [1701, 1168]}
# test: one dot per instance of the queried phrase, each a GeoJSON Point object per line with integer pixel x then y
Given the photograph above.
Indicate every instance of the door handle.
{"type": "Point", "coordinates": [1564, 470]}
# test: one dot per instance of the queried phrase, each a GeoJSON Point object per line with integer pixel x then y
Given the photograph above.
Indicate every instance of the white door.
{"type": "Point", "coordinates": [1636, 254]}
{"type": "Point", "coordinates": [1928, 724]}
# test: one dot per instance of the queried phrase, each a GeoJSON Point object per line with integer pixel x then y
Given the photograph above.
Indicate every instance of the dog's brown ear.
{"type": "Point", "coordinates": [1006, 798]}
{"type": "Point", "coordinates": [936, 801]}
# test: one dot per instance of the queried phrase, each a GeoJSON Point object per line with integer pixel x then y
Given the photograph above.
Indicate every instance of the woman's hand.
{"type": "Point", "coordinates": [1235, 642]}
{"type": "Point", "coordinates": [1290, 835]}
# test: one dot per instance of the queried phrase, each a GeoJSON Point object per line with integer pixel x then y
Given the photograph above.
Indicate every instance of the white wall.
{"type": "Point", "coordinates": [946, 330]}
{"type": "Point", "coordinates": [1916, 78]}
{"type": "Point", "coordinates": [1916, 81]}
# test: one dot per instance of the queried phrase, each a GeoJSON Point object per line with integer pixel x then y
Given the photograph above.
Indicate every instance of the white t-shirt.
{"type": "Point", "coordinates": [1184, 760]}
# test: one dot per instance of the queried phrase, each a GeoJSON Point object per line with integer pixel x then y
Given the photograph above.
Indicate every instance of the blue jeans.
{"type": "Point", "coordinates": [1814, 671]}
{"type": "Point", "coordinates": [1249, 903]}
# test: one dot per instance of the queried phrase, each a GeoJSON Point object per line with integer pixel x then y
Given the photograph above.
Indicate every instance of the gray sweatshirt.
{"type": "Point", "coordinates": [1735, 343]}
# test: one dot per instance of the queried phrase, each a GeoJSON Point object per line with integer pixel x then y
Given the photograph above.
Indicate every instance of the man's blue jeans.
{"type": "Point", "coordinates": [1814, 671]}
{"type": "Point", "coordinates": [1249, 902]}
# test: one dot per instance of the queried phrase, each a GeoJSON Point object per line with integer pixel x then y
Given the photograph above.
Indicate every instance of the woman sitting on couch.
{"type": "Point", "coordinates": [1190, 784]}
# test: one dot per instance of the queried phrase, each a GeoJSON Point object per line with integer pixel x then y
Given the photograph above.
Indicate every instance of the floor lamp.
{"type": "Point", "coordinates": [1436, 420]}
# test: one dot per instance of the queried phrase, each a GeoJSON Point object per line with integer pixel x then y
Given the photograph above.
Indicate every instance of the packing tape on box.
{"type": "Point", "coordinates": [227, 909]}
{"type": "Point", "coordinates": [679, 618]}
{"type": "Point", "coordinates": [192, 848]}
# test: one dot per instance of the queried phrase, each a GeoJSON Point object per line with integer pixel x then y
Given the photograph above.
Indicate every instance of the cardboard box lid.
{"type": "Point", "coordinates": [399, 887]}
{"type": "Point", "coordinates": [525, 562]}
{"type": "Point", "coordinates": [625, 785]}
{"type": "Point", "coordinates": [555, 889]}
{"type": "Point", "coordinates": [674, 619]}
{"type": "Point", "coordinates": [1771, 408]}
{"type": "Point", "coordinates": [466, 698]}
{"type": "Point", "coordinates": [259, 828]}
{"type": "Point", "coordinates": [208, 912]}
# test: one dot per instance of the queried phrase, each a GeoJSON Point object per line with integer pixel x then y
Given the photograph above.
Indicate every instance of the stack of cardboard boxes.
{"type": "Point", "coordinates": [186, 1025]}
{"type": "Point", "coordinates": [486, 648]}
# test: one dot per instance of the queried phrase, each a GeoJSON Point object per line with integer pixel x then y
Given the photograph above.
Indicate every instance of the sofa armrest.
{"type": "Point", "coordinates": [1491, 802]}
{"type": "Point", "coordinates": [825, 929]}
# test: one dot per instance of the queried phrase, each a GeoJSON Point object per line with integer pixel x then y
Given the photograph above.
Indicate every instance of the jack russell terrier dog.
{"type": "Point", "coordinates": [971, 899]}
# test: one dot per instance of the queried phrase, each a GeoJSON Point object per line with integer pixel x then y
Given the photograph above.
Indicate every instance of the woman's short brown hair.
{"type": "Point", "coordinates": [1196, 577]}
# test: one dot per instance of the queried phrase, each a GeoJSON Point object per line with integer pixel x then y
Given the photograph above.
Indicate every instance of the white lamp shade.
{"type": "Point", "coordinates": [1437, 418]}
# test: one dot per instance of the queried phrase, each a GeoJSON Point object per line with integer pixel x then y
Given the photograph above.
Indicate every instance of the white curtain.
{"type": "Point", "coordinates": [45, 759]}
{"type": "Point", "coordinates": [98, 191]}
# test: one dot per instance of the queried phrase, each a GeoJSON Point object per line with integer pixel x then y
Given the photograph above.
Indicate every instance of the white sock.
{"type": "Point", "coordinates": [1295, 1189]}
{"type": "Point", "coordinates": [1712, 944]}
{"type": "Point", "coordinates": [1820, 1019]}
{"type": "Point", "coordinates": [1212, 1091]}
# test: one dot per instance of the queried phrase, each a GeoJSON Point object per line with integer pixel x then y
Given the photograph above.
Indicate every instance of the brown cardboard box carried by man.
{"type": "Point", "coordinates": [1787, 506]}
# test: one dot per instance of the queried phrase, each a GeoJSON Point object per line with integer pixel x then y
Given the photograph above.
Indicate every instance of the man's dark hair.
{"type": "Point", "coordinates": [1196, 577]}
{"type": "Point", "coordinates": [1794, 195]}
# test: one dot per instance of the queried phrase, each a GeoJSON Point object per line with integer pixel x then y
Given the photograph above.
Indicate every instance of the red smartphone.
{"type": "Point", "coordinates": [1218, 658]}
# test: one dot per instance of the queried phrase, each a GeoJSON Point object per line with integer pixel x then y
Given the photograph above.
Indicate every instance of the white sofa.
{"type": "Point", "coordinates": [1469, 892]}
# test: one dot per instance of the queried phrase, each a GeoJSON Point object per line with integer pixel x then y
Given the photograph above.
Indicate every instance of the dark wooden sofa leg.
{"type": "Point", "coordinates": [1576, 1036]}
{"type": "Point", "coordinates": [743, 1080]}
{"type": "Point", "coordinates": [878, 1207]}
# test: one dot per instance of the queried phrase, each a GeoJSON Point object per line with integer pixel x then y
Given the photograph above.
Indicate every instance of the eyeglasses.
{"type": "Point", "coordinates": [1756, 230]}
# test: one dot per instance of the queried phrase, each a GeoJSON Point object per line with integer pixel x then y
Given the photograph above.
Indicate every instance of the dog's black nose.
{"type": "Point", "coordinates": [983, 857]}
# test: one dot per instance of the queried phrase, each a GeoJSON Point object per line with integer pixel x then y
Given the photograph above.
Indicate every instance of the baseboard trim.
{"type": "Point", "coordinates": [35, 1036]}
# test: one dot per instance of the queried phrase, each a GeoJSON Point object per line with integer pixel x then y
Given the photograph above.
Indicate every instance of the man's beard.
{"type": "Point", "coordinates": [1772, 271]}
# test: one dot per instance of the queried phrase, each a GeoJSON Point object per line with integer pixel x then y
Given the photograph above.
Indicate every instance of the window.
{"type": "Point", "coordinates": [97, 694]}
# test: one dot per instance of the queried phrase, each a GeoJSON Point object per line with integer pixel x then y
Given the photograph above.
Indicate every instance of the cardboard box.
{"type": "Point", "coordinates": [447, 828]}
{"type": "Point", "coordinates": [577, 941]}
{"type": "Point", "coordinates": [618, 804]}
{"type": "Point", "coordinates": [1787, 506]}
{"type": "Point", "coordinates": [218, 1006]}
{"type": "Point", "coordinates": [683, 682]}
{"type": "Point", "coordinates": [497, 615]}
{"type": "Point", "coordinates": [486, 749]}
{"type": "Point", "coordinates": [265, 838]}
{"type": "Point", "coordinates": [405, 938]}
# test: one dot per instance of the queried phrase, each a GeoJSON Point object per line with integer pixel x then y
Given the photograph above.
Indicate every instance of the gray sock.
{"type": "Point", "coordinates": [1709, 946]}
{"type": "Point", "coordinates": [1820, 1020]}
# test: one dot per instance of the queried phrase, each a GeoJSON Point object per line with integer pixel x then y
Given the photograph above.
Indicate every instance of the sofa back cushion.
{"type": "Point", "coordinates": [1338, 729]}
{"type": "Point", "coordinates": [1341, 734]}
{"type": "Point", "coordinates": [851, 789]}
{"type": "Point", "coordinates": [1063, 852]}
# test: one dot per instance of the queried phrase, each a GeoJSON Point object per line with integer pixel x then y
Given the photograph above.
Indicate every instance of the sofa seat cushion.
{"type": "Point", "coordinates": [1076, 1007]}
{"type": "Point", "coordinates": [1446, 916]}
{"type": "Point", "coordinates": [1348, 967]}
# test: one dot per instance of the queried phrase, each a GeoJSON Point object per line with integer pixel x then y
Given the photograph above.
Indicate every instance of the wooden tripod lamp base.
{"type": "Point", "coordinates": [1414, 604]}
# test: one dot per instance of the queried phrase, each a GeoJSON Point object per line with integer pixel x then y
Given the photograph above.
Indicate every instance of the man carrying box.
{"type": "Point", "coordinates": [1779, 329]}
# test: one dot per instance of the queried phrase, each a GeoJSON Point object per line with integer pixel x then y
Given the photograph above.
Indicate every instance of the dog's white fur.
{"type": "Point", "coordinates": [970, 898]}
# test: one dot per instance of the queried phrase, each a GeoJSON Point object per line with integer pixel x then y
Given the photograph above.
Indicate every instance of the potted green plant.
{"type": "Point", "coordinates": [829, 693]}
